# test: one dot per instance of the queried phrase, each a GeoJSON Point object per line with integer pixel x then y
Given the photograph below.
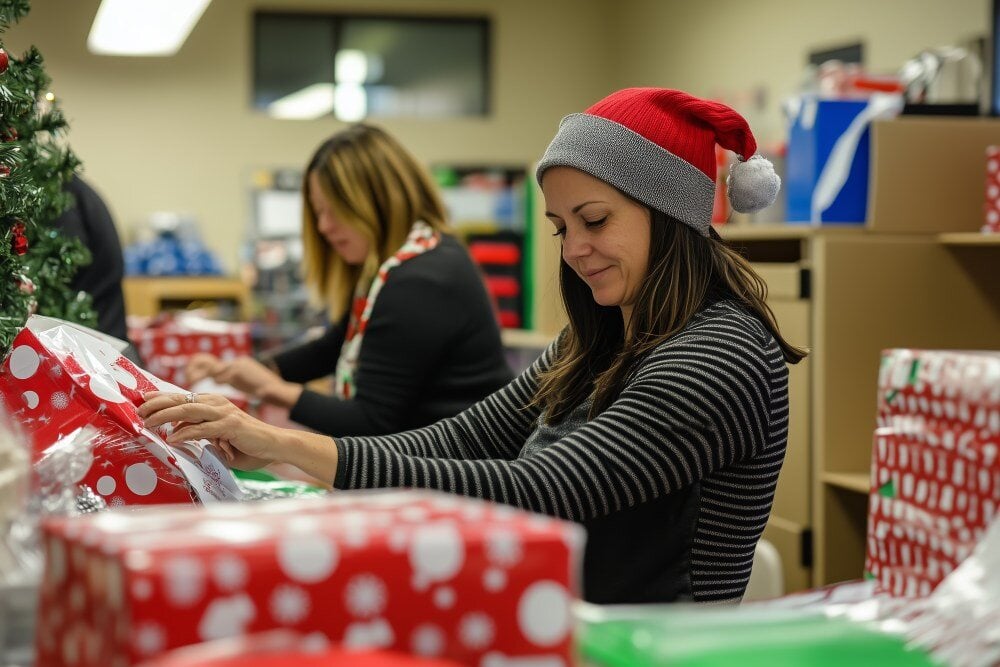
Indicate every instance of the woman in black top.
{"type": "Point", "coordinates": [658, 419]}
{"type": "Point", "coordinates": [415, 337]}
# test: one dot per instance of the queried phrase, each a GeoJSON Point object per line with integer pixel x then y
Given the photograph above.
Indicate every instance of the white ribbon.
{"type": "Point", "coordinates": [838, 165]}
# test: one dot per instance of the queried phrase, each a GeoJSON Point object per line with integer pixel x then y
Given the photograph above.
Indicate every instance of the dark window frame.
{"type": "Point", "coordinates": [336, 21]}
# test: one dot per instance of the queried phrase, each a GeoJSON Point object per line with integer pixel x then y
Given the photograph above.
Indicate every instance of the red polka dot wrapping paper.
{"type": "Point", "coordinates": [992, 206]}
{"type": "Point", "coordinates": [430, 574]}
{"type": "Point", "coordinates": [167, 343]}
{"type": "Point", "coordinates": [285, 647]}
{"type": "Point", "coordinates": [935, 466]}
{"type": "Point", "coordinates": [74, 395]}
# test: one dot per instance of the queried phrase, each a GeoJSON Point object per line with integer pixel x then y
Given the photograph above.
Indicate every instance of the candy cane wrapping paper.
{"type": "Point", "coordinates": [935, 473]}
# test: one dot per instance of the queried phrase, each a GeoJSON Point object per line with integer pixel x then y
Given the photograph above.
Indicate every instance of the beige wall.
{"type": "Point", "coordinates": [723, 48]}
{"type": "Point", "coordinates": [178, 133]}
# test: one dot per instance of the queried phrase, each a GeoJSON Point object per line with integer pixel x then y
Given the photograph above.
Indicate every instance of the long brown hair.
{"type": "Point", "coordinates": [686, 272]}
{"type": "Point", "coordinates": [374, 185]}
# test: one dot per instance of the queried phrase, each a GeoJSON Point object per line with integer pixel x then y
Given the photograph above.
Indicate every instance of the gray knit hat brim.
{"type": "Point", "coordinates": [635, 165]}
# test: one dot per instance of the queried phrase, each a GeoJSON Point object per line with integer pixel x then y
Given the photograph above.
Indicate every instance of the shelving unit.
{"type": "Point", "coordinates": [969, 239]}
{"type": "Point", "coordinates": [859, 292]}
{"type": "Point", "coordinates": [921, 276]}
{"type": "Point", "coordinates": [858, 482]}
{"type": "Point", "coordinates": [149, 296]}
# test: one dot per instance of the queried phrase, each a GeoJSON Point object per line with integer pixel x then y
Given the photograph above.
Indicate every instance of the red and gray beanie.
{"type": "Point", "coordinates": [658, 146]}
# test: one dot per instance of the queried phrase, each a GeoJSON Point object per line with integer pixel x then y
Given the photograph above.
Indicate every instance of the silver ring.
{"type": "Point", "coordinates": [191, 397]}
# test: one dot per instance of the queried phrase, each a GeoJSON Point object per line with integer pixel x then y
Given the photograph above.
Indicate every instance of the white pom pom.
{"type": "Point", "coordinates": [752, 184]}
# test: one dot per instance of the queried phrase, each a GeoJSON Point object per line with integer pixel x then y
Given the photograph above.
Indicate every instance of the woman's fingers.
{"type": "Point", "coordinates": [162, 408]}
{"type": "Point", "coordinates": [201, 366]}
{"type": "Point", "coordinates": [223, 374]}
{"type": "Point", "coordinates": [182, 415]}
{"type": "Point", "coordinates": [224, 450]}
{"type": "Point", "coordinates": [186, 412]}
{"type": "Point", "coordinates": [209, 417]}
{"type": "Point", "coordinates": [158, 400]}
{"type": "Point", "coordinates": [208, 430]}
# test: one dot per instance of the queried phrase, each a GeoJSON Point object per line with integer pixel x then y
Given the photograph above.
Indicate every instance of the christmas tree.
{"type": "Point", "coordinates": [37, 262]}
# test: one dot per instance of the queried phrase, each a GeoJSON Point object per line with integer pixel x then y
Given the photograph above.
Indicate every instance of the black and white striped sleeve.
{"type": "Point", "coordinates": [494, 428]}
{"type": "Point", "coordinates": [697, 404]}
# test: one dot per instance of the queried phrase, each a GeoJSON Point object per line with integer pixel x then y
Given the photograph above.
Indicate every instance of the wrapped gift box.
{"type": "Point", "coordinates": [827, 167]}
{"type": "Point", "coordinates": [847, 624]}
{"type": "Point", "coordinates": [284, 647]}
{"type": "Point", "coordinates": [935, 466]}
{"type": "Point", "coordinates": [426, 573]}
{"type": "Point", "coordinates": [75, 397]}
{"type": "Point", "coordinates": [992, 224]}
{"type": "Point", "coordinates": [167, 343]}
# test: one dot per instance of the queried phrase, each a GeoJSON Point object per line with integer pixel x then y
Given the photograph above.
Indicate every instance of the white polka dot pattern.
{"type": "Point", "coordinates": [23, 362]}
{"type": "Point", "coordinates": [992, 207]}
{"type": "Point", "coordinates": [489, 585]}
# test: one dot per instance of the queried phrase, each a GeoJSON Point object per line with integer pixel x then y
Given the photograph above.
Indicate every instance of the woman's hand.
{"type": "Point", "coordinates": [201, 366]}
{"type": "Point", "coordinates": [247, 375]}
{"type": "Point", "coordinates": [247, 442]}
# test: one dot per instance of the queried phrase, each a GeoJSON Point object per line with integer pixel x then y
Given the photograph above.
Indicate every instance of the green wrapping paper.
{"type": "Point", "coordinates": [684, 636]}
{"type": "Point", "coordinates": [262, 485]}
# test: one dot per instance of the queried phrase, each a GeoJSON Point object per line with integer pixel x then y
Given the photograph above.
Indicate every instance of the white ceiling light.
{"type": "Point", "coordinates": [309, 102]}
{"type": "Point", "coordinates": [143, 27]}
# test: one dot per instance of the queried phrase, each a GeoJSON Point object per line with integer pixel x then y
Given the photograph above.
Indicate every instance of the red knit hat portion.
{"type": "Point", "coordinates": [687, 126]}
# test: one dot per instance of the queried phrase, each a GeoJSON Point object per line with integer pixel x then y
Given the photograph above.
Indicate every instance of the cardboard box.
{"type": "Point", "coordinates": [927, 173]}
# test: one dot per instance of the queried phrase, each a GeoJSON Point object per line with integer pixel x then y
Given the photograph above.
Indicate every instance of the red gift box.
{"type": "Point", "coordinates": [168, 342]}
{"type": "Point", "coordinates": [992, 224]}
{"type": "Point", "coordinates": [425, 573]}
{"type": "Point", "coordinates": [75, 396]}
{"type": "Point", "coordinates": [285, 647]}
{"type": "Point", "coordinates": [935, 466]}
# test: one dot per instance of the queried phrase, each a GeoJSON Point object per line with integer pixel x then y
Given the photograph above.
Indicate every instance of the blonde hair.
{"type": "Point", "coordinates": [374, 185]}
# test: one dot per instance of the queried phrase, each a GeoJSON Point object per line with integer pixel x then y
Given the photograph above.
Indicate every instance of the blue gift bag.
{"type": "Point", "coordinates": [826, 177]}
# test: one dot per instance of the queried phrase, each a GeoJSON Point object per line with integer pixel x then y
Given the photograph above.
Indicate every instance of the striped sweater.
{"type": "Point", "coordinates": [674, 481]}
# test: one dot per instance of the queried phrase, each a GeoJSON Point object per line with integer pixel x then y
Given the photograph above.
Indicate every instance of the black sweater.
{"type": "Point", "coordinates": [674, 480]}
{"type": "Point", "coordinates": [88, 219]}
{"type": "Point", "coordinates": [432, 348]}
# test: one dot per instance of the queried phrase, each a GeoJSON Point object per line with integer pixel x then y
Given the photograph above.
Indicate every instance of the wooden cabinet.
{"type": "Point", "coordinates": [859, 292]}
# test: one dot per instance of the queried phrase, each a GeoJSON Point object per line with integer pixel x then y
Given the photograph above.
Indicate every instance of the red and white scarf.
{"type": "Point", "coordinates": [421, 238]}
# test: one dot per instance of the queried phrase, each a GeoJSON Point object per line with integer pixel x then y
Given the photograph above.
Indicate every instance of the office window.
{"type": "Point", "coordinates": [354, 67]}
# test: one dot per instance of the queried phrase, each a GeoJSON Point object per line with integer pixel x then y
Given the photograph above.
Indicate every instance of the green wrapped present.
{"type": "Point", "coordinates": [263, 485]}
{"type": "Point", "coordinates": [689, 636]}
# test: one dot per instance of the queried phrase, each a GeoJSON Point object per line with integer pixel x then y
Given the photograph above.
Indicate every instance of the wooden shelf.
{"type": "Point", "coordinates": [780, 231]}
{"type": "Point", "coordinates": [146, 295]}
{"type": "Point", "coordinates": [849, 481]}
{"type": "Point", "coordinates": [969, 239]}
